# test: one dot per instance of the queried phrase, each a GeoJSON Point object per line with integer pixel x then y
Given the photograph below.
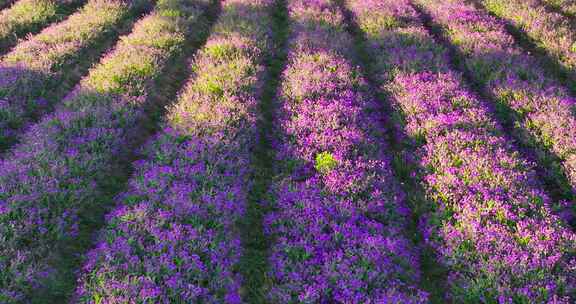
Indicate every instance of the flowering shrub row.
{"type": "Point", "coordinates": [340, 217]}
{"type": "Point", "coordinates": [542, 110]}
{"type": "Point", "coordinates": [489, 219]}
{"type": "Point", "coordinates": [36, 67]}
{"type": "Point", "coordinates": [173, 238]}
{"type": "Point", "coordinates": [564, 6]}
{"type": "Point", "coordinates": [27, 16]}
{"type": "Point", "coordinates": [65, 164]}
{"type": "Point", "coordinates": [550, 30]}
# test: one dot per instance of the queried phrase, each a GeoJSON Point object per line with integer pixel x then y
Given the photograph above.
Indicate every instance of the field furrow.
{"type": "Point", "coordinates": [173, 238]}
{"type": "Point", "coordinates": [339, 214]}
{"type": "Point", "coordinates": [253, 265]}
{"type": "Point", "coordinates": [39, 71]}
{"type": "Point", "coordinates": [30, 16]}
{"type": "Point", "coordinates": [538, 109]}
{"type": "Point", "coordinates": [59, 178]}
{"type": "Point", "coordinates": [489, 219]}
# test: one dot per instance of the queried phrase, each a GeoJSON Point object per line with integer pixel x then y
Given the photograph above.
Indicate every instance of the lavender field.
{"type": "Point", "coordinates": [288, 151]}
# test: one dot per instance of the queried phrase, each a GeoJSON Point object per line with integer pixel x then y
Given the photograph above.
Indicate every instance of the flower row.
{"type": "Point", "coordinates": [550, 30]}
{"type": "Point", "coordinates": [541, 109]}
{"type": "Point", "coordinates": [173, 238]}
{"type": "Point", "coordinates": [37, 67]}
{"type": "Point", "coordinates": [488, 217]}
{"type": "Point", "coordinates": [340, 217]}
{"type": "Point", "coordinates": [564, 6]}
{"type": "Point", "coordinates": [59, 176]}
{"type": "Point", "coordinates": [28, 16]}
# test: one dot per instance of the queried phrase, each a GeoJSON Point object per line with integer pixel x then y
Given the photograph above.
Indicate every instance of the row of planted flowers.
{"type": "Point", "coordinates": [550, 30]}
{"type": "Point", "coordinates": [540, 109]}
{"type": "Point", "coordinates": [28, 16]}
{"type": "Point", "coordinates": [43, 64]}
{"type": "Point", "coordinates": [567, 7]}
{"type": "Point", "coordinates": [173, 238]}
{"type": "Point", "coordinates": [490, 220]}
{"type": "Point", "coordinates": [60, 173]}
{"type": "Point", "coordinates": [340, 215]}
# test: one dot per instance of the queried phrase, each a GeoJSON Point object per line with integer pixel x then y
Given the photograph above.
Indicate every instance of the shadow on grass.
{"type": "Point", "coordinates": [254, 263]}
{"type": "Point", "coordinates": [5, 3]}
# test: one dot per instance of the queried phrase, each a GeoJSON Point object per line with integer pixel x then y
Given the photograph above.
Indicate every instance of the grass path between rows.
{"type": "Point", "coordinates": [254, 263]}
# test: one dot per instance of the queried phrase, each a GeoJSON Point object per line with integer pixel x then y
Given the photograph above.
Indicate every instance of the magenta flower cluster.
{"type": "Point", "coordinates": [173, 238]}
{"type": "Point", "coordinates": [490, 220]}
